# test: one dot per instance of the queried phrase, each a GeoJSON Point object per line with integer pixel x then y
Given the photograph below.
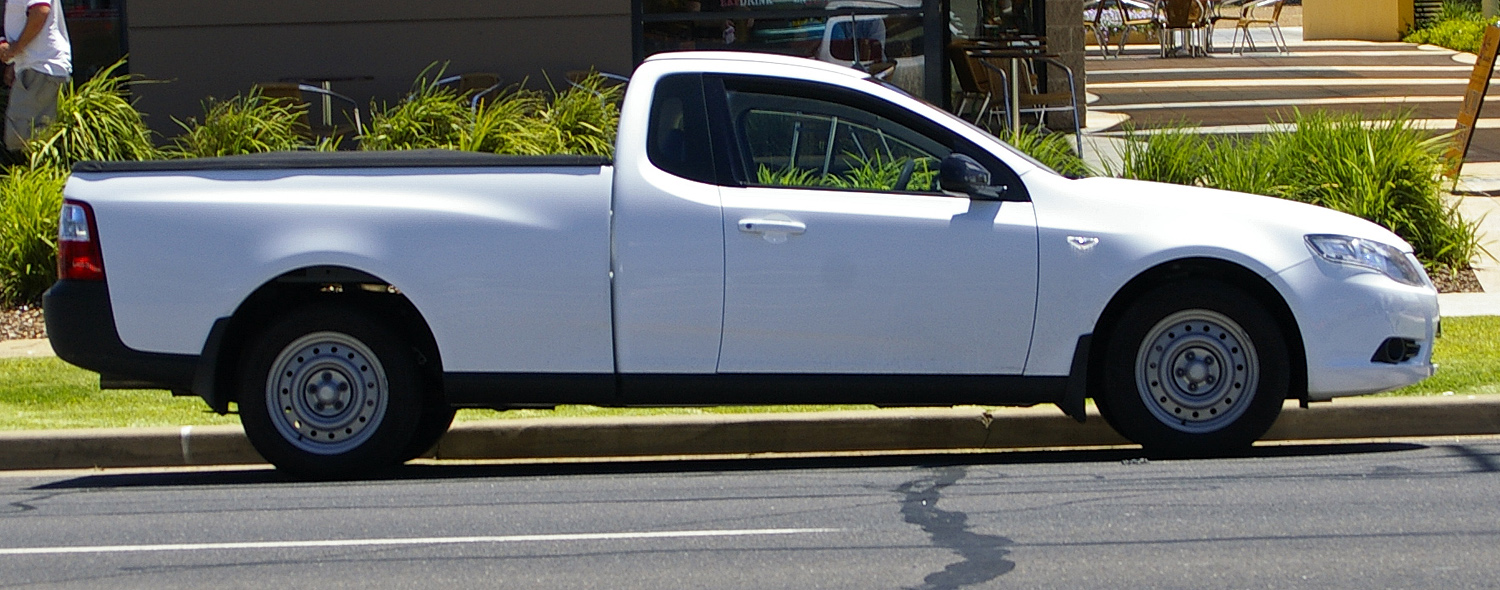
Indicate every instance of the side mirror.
{"type": "Point", "coordinates": [962, 175]}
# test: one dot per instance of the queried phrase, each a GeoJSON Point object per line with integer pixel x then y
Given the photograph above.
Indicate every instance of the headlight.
{"type": "Point", "coordinates": [1400, 266]}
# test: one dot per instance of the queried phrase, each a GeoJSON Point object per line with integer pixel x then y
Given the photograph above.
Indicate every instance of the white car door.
{"type": "Point", "coordinates": [865, 279]}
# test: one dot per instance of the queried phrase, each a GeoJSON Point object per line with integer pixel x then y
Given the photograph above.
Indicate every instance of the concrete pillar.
{"type": "Point", "coordinates": [1065, 39]}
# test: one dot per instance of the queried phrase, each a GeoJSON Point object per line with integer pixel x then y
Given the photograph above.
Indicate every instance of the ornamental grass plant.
{"type": "Point", "coordinates": [245, 124]}
{"type": "Point", "coordinates": [29, 201]}
{"type": "Point", "coordinates": [1171, 154]}
{"type": "Point", "coordinates": [432, 115]}
{"type": "Point", "coordinates": [585, 116]}
{"type": "Point", "coordinates": [1053, 149]}
{"type": "Point", "coordinates": [96, 120]}
{"type": "Point", "coordinates": [1386, 171]}
{"type": "Point", "coordinates": [1460, 27]}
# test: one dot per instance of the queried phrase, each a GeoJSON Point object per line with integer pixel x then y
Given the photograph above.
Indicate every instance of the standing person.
{"type": "Point", "coordinates": [39, 59]}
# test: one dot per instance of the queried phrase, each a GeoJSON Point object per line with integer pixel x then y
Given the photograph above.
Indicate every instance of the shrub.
{"type": "Point", "coordinates": [582, 119]}
{"type": "Point", "coordinates": [585, 116]}
{"type": "Point", "coordinates": [245, 124]}
{"type": "Point", "coordinates": [874, 173]}
{"type": "Point", "coordinates": [29, 201]}
{"type": "Point", "coordinates": [95, 121]}
{"type": "Point", "coordinates": [1385, 171]}
{"type": "Point", "coordinates": [1459, 27]}
{"type": "Point", "coordinates": [1052, 149]}
{"type": "Point", "coordinates": [1172, 154]}
{"type": "Point", "coordinates": [507, 125]}
{"type": "Point", "coordinates": [1244, 165]}
{"type": "Point", "coordinates": [431, 116]}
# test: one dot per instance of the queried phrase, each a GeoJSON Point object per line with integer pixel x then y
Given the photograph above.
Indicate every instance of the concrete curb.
{"type": "Point", "coordinates": [935, 429]}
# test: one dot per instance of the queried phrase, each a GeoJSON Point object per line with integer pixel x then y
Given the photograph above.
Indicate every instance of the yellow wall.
{"type": "Point", "coordinates": [1368, 20]}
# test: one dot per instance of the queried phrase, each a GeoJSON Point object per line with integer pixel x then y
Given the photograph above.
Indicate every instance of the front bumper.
{"type": "Point", "coordinates": [1346, 315]}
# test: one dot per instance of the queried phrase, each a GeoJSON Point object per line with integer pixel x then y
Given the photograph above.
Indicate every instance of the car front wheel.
{"type": "Point", "coordinates": [1193, 369]}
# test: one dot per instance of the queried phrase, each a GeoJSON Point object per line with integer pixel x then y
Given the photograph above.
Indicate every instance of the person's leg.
{"type": "Point", "coordinates": [33, 106]}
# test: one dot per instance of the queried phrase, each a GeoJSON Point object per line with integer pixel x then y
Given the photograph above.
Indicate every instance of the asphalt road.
{"type": "Point", "coordinates": [1420, 513]}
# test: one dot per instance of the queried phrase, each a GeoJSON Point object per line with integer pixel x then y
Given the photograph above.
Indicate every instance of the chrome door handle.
{"type": "Point", "coordinates": [762, 226]}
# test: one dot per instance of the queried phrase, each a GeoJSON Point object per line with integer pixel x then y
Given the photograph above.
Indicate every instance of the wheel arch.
{"type": "Point", "coordinates": [1213, 269]}
{"type": "Point", "coordinates": [339, 285]}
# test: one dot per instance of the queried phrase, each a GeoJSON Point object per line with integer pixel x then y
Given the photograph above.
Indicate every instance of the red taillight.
{"type": "Point", "coordinates": [78, 257]}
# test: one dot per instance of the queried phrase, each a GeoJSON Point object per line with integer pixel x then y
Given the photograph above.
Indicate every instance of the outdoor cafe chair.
{"type": "Point", "coordinates": [296, 94]}
{"type": "Point", "coordinates": [1134, 15]}
{"type": "Point", "coordinates": [972, 90]}
{"type": "Point", "coordinates": [1095, 23]}
{"type": "Point", "coordinates": [1031, 98]}
{"type": "Point", "coordinates": [1255, 15]}
{"type": "Point", "coordinates": [1189, 17]}
{"type": "Point", "coordinates": [1224, 11]}
{"type": "Point", "coordinates": [476, 86]}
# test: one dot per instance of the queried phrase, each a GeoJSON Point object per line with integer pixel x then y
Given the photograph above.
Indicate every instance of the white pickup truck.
{"type": "Point", "coordinates": [771, 230]}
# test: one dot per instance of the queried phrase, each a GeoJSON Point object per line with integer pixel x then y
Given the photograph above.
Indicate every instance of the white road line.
{"type": "Point", "coordinates": [1269, 69]}
{"type": "Point", "coordinates": [1274, 83]}
{"type": "Point", "coordinates": [410, 541]}
{"type": "Point", "coordinates": [1280, 102]}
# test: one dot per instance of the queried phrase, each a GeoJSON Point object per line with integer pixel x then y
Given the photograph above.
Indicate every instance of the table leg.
{"type": "Point", "coordinates": [328, 104]}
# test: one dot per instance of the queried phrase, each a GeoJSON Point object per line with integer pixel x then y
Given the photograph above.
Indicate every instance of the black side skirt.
{"type": "Point", "coordinates": [523, 390]}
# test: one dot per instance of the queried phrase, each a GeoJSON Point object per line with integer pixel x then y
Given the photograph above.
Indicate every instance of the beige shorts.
{"type": "Point", "coordinates": [33, 106]}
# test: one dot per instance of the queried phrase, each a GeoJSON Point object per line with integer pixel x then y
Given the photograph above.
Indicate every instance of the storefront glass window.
{"type": "Point", "coordinates": [94, 28]}
{"type": "Point", "coordinates": [993, 19]}
{"type": "Point", "coordinates": [884, 37]}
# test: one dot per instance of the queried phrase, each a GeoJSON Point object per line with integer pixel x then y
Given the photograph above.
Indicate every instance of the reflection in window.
{"type": "Point", "coordinates": [796, 148]}
{"type": "Point", "coordinates": [887, 41]}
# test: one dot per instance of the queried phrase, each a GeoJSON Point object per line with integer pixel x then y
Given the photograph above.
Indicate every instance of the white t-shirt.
{"type": "Point", "coordinates": [51, 52]}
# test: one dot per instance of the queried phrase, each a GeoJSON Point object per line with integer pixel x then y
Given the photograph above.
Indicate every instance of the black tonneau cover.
{"type": "Point", "coordinates": [315, 160]}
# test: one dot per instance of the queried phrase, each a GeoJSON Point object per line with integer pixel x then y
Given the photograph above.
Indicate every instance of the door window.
{"type": "Point", "coordinates": [799, 141]}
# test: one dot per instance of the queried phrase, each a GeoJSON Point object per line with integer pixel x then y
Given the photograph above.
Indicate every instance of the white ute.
{"type": "Point", "coordinates": [771, 230]}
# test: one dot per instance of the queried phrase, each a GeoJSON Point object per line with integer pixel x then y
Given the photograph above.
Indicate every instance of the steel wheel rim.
{"type": "Point", "coordinates": [1197, 370]}
{"type": "Point", "coordinates": [326, 393]}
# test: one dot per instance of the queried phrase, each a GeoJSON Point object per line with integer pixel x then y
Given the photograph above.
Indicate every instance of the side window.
{"type": "Point", "coordinates": [678, 140]}
{"type": "Point", "coordinates": [802, 141]}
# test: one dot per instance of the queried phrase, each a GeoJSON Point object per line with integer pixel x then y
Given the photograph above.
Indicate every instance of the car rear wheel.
{"type": "Point", "coordinates": [1195, 368]}
{"type": "Point", "coordinates": [327, 392]}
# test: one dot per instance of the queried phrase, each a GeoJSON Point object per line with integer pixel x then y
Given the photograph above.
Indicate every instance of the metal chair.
{"type": "Point", "coordinates": [971, 89]}
{"type": "Point", "coordinates": [1220, 11]}
{"type": "Point", "coordinates": [1094, 22]}
{"type": "Point", "coordinates": [1032, 98]}
{"type": "Point", "coordinates": [1136, 15]}
{"type": "Point", "coordinates": [475, 86]}
{"type": "Point", "coordinates": [298, 93]}
{"type": "Point", "coordinates": [1254, 14]}
{"type": "Point", "coordinates": [1189, 17]}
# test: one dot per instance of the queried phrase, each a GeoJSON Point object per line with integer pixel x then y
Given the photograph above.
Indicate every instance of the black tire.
{"type": "Point", "coordinates": [304, 410]}
{"type": "Point", "coordinates": [437, 416]}
{"type": "Point", "coordinates": [1196, 368]}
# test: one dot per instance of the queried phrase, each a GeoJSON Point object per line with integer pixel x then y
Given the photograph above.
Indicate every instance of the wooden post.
{"type": "Point", "coordinates": [1468, 115]}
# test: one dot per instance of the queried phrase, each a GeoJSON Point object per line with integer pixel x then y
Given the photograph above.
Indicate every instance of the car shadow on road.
{"type": "Point", "coordinates": [439, 470]}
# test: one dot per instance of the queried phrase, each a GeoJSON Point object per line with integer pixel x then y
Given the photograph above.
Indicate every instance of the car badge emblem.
{"type": "Point", "coordinates": [1083, 243]}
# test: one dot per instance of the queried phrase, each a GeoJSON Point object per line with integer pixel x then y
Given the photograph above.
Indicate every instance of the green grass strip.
{"type": "Point", "coordinates": [1469, 355]}
{"type": "Point", "coordinates": [42, 393]}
